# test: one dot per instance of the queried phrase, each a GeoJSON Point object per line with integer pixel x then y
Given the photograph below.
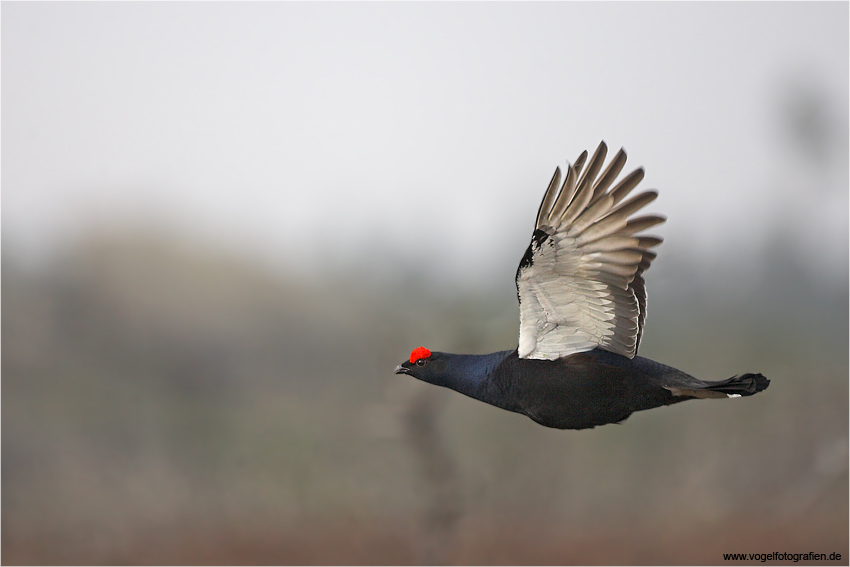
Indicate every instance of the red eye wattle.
{"type": "Point", "coordinates": [418, 354]}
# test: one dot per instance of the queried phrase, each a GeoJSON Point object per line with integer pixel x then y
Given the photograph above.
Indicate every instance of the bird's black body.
{"type": "Point", "coordinates": [579, 391]}
{"type": "Point", "coordinates": [583, 300]}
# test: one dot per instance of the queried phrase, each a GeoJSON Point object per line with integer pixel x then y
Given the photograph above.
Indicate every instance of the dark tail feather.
{"type": "Point", "coordinates": [744, 385]}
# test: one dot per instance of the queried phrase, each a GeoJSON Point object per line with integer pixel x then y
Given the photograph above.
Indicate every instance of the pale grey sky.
{"type": "Point", "coordinates": [307, 132]}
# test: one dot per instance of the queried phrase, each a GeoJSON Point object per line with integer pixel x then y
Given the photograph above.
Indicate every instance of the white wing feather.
{"type": "Point", "coordinates": [579, 284]}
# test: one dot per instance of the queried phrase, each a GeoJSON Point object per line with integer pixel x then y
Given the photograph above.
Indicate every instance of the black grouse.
{"type": "Point", "coordinates": [582, 309]}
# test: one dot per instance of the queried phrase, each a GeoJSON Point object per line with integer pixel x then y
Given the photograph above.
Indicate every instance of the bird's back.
{"type": "Point", "coordinates": [585, 389]}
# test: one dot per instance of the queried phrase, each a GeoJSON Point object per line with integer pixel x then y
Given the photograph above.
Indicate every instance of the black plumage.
{"type": "Point", "coordinates": [578, 391]}
{"type": "Point", "coordinates": [583, 304]}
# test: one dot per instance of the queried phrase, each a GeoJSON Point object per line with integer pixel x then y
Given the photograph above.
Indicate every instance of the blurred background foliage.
{"type": "Point", "coordinates": [176, 400]}
{"type": "Point", "coordinates": [167, 404]}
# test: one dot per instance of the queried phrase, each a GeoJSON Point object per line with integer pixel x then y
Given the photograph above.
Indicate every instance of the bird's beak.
{"type": "Point", "coordinates": [401, 370]}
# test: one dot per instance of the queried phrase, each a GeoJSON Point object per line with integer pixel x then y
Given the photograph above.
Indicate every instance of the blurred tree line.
{"type": "Point", "coordinates": [148, 391]}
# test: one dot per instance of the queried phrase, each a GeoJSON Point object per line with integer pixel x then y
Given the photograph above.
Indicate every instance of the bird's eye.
{"type": "Point", "coordinates": [420, 362]}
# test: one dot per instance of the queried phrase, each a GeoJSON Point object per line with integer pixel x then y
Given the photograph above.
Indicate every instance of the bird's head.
{"type": "Point", "coordinates": [422, 364]}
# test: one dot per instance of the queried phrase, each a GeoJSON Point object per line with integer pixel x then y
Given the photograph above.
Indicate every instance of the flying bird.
{"type": "Point", "coordinates": [582, 299]}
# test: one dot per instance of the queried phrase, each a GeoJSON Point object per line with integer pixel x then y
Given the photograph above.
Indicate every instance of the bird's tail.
{"type": "Point", "coordinates": [734, 387]}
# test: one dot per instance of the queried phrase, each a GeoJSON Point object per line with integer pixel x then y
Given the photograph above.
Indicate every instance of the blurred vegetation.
{"type": "Point", "coordinates": [165, 404]}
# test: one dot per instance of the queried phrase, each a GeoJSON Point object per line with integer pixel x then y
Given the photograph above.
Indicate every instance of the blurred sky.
{"type": "Point", "coordinates": [307, 133]}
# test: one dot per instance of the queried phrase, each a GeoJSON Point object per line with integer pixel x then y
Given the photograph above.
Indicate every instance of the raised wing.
{"type": "Point", "coordinates": [580, 283]}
